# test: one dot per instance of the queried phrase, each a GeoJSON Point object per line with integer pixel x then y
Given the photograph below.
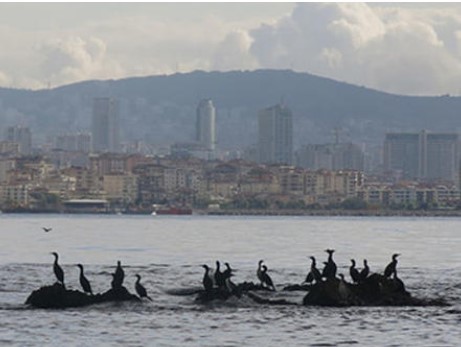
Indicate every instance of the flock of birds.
{"type": "Point", "coordinates": [222, 279]}
{"type": "Point", "coordinates": [117, 278]}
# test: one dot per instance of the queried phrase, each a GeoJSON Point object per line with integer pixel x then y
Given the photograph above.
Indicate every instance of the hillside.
{"type": "Point", "coordinates": [161, 109]}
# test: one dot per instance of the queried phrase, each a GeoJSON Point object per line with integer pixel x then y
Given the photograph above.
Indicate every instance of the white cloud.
{"type": "Point", "coordinates": [233, 52]}
{"type": "Point", "coordinates": [4, 80]}
{"type": "Point", "coordinates": [400, 48]}
{"type": "Point", "coordinates": [74, 58]}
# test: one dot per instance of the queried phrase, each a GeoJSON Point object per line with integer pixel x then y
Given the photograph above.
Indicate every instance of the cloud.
{"type": "Point", "coordinates": [232, 53]}
{"type": "Point", "coordinates": [400, 50]}
{"type": "Point", "coordinates": [74, 58]}
{"type": "Point", "coordinates": [4, 80]}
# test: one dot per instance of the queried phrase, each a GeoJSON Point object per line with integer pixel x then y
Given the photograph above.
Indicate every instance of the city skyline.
{"type": "Point", "coordinates": [399, 48]}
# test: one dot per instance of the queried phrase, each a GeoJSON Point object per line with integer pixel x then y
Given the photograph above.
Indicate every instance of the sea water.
{"type": "Point", "coordinates": [168, 252]}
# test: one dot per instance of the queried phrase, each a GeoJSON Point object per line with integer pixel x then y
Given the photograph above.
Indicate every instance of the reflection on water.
{"type": "Point", "coordinates": [167, 252]}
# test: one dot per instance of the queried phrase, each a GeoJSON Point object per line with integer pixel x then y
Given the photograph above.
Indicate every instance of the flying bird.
{"type": "Point", "coordinates": [47, 229]}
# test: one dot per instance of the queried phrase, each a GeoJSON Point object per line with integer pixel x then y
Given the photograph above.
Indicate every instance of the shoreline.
{"type": "Point", "coordinates": [241, 212]}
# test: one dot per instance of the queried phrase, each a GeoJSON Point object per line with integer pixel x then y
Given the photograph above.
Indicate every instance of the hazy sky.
{"type": "Point", "coordinates": [411, 48]}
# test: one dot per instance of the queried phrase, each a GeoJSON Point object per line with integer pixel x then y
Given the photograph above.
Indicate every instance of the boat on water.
{"type": "Point", "coordinates": [171, 210]}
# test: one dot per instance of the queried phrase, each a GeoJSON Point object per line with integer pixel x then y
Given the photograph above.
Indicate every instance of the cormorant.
{"type": "Point", "coordinates": [84, 281]}
{"type": "Point", "coordinates": [314, 273]}
{"type": "Point", "coordinates": [140, 288]}
{"type": "Point", "coordinates": [365, 271]}
{"type": "Point", "coordinates": [228, 272]}
{"type": "Point", "coordinates": [355, 275]}
{"type": "Point", "coordinates": [329, 271]}
{"type": "Point", "coordinates": [391, 267]}
{"type": "Point", "coordinates": [218, 276]}
{"type": "Point", "coordinates": [207, 281]}
{"type": "Point", "coordinates": [119, 275]}
{"type": "Point", "coordinates": [57, 269]}
{"type": "Point", "coordinates": [266, 279]}
{"type": "Point", "coordinates": [46, 229]}
{"type": "Point", "coordinates": [259, 272]}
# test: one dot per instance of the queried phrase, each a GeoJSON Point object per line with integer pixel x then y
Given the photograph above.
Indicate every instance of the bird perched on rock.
{"type": "Point", "coordinates": [392, 266]}
{"type": "Point", "coordinates": [59, 273]}
{"type": "Point", "coordinates": [142, 292]}
{"type": "Point", "coordinates": [365, 271]}
{"type": "Point", "coordinates": [266, 279]}
{"type": "Point", "coordinates": [355, 275]}
{"type": "Point", "coordinates": [207, 281]}
{"type": "Point", "coordinates": [329, 271]}
{"type": "Point", "coordinates": [219, 279]}
{"type": "Point", "coordinates": [84, 281]}
{"type": "Point", "coordinates": [314, 273]}
{"type": "Point", "coordinates": [119, 276]}
{"type": "Point", "coordinates": [259, 271]}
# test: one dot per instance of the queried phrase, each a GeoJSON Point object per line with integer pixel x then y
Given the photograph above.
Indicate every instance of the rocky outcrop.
{"type": "Point", "coordinates": [56, 296]}
{"type": "Point", "coordinates": [375, 290]}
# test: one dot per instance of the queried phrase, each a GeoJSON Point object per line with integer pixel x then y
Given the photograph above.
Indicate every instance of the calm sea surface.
{"type": "Point", "coordinates": [168, 251]}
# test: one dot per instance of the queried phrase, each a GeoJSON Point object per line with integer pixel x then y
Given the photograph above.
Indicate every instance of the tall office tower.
{"type": "Point", "coordinates": [22, 136]}
{"type": "Point", "coordinates": [442, 156]}
{"type": "Point", "coordinates": [422, 155]}
{"type": "Point", "coordinates": [206, 125]}
{"type": "Point", "coordinates": [106, 130]}
{"type": "Point", "coordinates": [275, 135]}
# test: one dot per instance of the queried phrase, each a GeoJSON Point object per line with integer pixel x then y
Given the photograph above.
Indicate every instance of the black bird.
{"type": "Point", "coordinates": [355, 275]}
{"type": "Point", "coordinates": [228, 272]}
{"type": "Point", "coordinates": [219, 279]}
{"type": "Point", "coordinates": [391, 267]}
{"type": "Point", "coordinates": [207, 281]}
{"type": "Point", "coordinates": [365, 271]}
{"type": "Point", "coordinates": [47, 229]}
{"type": "Point", "coordinates": [84, 281]}
{"type": "Point", "coordinates": [142, 292]}
{"type": "Point", "coordinates": [119, 275]}
{"type": "Point", "coordinates": [314, 273]}
{"type": "Point", "coordinates": [259, 272]}
{"type": "Point", "coordinates": [57, 269]}
{"type": "Point", "coordinates": [266, 279]}
{"type": "Point", "coordinates": [329, 271]}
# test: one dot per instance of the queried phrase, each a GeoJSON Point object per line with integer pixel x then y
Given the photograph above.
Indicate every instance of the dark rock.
{"type": "Point", "coordinates": [223, 294]}
{"type": "Point", "coordinates": [376, 290]}
{"type": "Point", "coordinates": [56, 296]}
{"type": "Point", "coordinates": [297, 287]}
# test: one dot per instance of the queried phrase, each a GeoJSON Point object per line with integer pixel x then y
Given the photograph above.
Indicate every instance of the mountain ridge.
{"type": "Point", "coordinates": [161, 108]}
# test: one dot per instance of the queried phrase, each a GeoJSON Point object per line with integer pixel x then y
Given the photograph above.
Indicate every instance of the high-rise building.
{"type": "Point", "coordinates": [80, 142]}
{"type": "Point", "coordinates": [422, 155]}
{"type": "Point", "coordinates": [206, 125]}
{"type": "Point", "coordinates": [22, 136]}
{"type": "Point", "coordinates": [337, 156]}
{"type": "Point", "coordinates": [105, 127]}
{"type": "Point", "coordinates": [275, 135]}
